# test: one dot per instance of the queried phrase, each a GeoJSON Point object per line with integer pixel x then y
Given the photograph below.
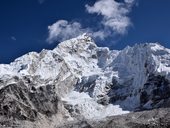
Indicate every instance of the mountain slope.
{"type": "Point", "coordinates": [80, 81]}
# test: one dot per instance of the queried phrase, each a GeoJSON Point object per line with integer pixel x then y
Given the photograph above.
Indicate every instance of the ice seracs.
{"type": "Point", "coordinates": [89, 108]}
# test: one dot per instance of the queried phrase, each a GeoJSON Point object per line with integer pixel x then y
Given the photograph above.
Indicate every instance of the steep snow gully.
{"type": "Point", "coordinates": [80, 81]}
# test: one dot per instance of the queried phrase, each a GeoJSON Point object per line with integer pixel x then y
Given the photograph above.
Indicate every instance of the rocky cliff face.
{"type": "Point", "coordinates": [78, 84]}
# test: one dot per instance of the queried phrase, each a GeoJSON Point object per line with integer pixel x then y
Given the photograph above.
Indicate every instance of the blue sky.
{"type": "Point", "coordinates": [31, 25]}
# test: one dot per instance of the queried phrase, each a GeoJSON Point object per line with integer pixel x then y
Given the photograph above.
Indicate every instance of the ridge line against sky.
{"type": "Point", "coordinates": [33, 25]}
{"type": "Point", "coordinates": [114, 21]}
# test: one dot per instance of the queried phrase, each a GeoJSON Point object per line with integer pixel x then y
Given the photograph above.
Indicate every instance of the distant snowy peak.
{"type": "Point", "coordinates": [142, 59]}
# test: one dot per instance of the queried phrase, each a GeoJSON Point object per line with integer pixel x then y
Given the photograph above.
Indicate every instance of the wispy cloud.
{"type": "Point", "coordinates": [62, 30]}
{"type": "Point", "coordinates": [115, 21]}
{"type": "Point", "coordinates": [13, 38]}
{"type": "Point", "coordinates": [41, 1]}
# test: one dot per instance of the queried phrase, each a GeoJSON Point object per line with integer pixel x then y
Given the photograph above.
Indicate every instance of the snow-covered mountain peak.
{"type": "Point", "coordinates": [81, 41]}
{"type": "Point", "coordinates": [146, 58]}
{"type": "Point", "coordinates": [149, 47]}
{"type": "Point", "coordinates": [91, 78]}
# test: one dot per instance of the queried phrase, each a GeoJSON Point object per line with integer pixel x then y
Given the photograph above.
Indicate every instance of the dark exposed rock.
{"type": "Point", "coordinates": [87, 84]}
{"type": "Point", "coordinates": [22, 102]}
{"type": "Point", "coordinates": [18, 102]}
{"type": "Point", "coordinates": [158, 118]}
{"type": "Point", "coordinates": [45, 100]}
{"type": "Point", "coordinates": [15, 103]}
{"type": "Point", "coordinates": [103, 99]}
{"type": "Point", "coordinates": [80, 124]}
{"type": "Point", "coordinates": [156, 91]}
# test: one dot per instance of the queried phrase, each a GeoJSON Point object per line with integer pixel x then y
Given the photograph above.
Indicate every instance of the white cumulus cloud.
{"type": "Point", "coordinates": [63, 30]}
{"type": "Point", "coordinates": [114, 20]}
{"type": "Point", "coordinates": [114, 14]}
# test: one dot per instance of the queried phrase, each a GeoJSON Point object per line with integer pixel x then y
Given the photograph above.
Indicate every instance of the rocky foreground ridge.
{"type": "Point", "coordinates": [78, 84]}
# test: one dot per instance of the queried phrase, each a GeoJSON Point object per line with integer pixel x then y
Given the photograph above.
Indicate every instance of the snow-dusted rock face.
{"type": "Point", "coordinates": [78, 80]}
{"type": "Point", "coordinates": [135, 65]}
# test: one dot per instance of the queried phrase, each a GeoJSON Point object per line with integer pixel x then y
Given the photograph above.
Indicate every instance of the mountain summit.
{"type": "Point", "coordinates": [78, 83]}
